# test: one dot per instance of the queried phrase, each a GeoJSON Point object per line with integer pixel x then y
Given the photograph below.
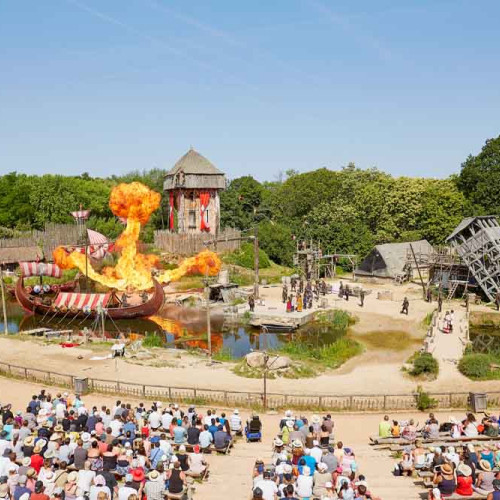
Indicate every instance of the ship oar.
{"type": "Point", "coordinates": [62, 319]}
{"type": "Point", "coordinates": [45, 315]}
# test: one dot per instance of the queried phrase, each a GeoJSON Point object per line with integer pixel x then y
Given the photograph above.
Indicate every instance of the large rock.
{"type": "Point", "coordinates": [257, 360]}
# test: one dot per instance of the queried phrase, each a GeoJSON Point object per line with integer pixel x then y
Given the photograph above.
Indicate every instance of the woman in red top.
{"type": "Point", "coordinates": [39, 492]}
{"type": "Point", "coordinates": [37, 459]}
{"type": "Point", "coordinates": [464, 480]}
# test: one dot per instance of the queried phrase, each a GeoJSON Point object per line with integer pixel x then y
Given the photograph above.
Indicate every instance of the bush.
{"type": "Point", "coordinates": [424, 401]}
{"type": "Point", "coordinates": [152, 340]}
{"type": "Point", "coordinates": [476, 366]}
{"type": "Point", "coordinates": [425, 363]}
{"type": "Point", "coordinates": [245, 257]}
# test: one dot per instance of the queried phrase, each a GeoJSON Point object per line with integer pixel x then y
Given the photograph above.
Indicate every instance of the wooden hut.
{"type": "Point", "coordinates": [192, 187]}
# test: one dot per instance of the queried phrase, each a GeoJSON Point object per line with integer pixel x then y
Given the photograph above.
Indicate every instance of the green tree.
{"type": "Point", "coordinates": [479, 179]}
{"type": "Point", "coordinates": [276, 240]}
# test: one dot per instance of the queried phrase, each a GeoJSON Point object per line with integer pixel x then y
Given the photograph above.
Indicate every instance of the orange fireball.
{"type": "Point", "coordinates": [136, 202]}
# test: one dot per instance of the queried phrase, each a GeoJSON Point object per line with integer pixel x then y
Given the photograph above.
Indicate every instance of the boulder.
{"type": "Point", "coordinates": [257, 360]}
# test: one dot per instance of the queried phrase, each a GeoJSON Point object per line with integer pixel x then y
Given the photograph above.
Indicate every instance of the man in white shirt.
{"type": "Point", "coordinates": [235, 422]}
{"type": "Point", "coordinates": [165, 445]}
{"type": "Point", "coordinates": [85, 478]}
{"type": "Point", "coordinates": [267, 486]}
{"type": "Point", "coordinates": [316, 452]}
{"type": "Point", "coordinates": [154, 420]}
{"type": "Point", "coordinates": [116, 427]}
{"type": "Point", "coordinates": [208, 418]}
{"type": "Point", "coordinates": [166, 420]}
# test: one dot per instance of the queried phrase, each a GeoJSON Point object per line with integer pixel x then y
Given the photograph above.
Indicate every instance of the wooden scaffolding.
{"type": "Point", "coordinates": [476, 241]}
{"type": "Point", "coordinates": [312, 264]}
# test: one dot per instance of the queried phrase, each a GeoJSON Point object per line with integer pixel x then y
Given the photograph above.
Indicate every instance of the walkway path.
{"type": "Point", "coordinates": [448, 348]}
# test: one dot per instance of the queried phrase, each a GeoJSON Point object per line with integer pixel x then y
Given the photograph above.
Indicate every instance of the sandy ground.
{"type": "Point", "coordinates": [231, 475]}
{"type": "Point", "coordinates": [377, 371]}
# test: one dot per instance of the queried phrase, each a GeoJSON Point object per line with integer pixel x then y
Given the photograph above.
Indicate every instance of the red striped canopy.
{"type": "Point", "coordinates": [40, 269]}
{"type": "Point", "coordinates": [81, 300]}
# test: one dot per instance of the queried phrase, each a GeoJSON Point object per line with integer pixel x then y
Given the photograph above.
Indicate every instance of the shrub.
{"type": "Point", "coordinates": [245, 257]}
{"type": "Point", "coordinates": [475, 366]}
{"type": "Point", "coordinates": [425, 363]}
{"type": "Point", "coordinates": [424, 401]}
{"type": "Point", "coordinates": [152, 340]}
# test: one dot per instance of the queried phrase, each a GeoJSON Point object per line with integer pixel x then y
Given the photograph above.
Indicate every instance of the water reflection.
{"type": "Point", "coordinates": [180, 328]}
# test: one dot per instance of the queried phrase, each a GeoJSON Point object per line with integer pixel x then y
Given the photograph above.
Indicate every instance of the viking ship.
{"type": "Point", "coordinates": [40, 300]}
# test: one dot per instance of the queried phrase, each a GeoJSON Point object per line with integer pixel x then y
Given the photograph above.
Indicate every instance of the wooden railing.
{"type": "Point", "coordinates": [202, 396]}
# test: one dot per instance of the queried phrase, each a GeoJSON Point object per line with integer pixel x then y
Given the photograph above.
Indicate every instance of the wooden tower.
{"type": "Point", "coordinates": [192, 187]}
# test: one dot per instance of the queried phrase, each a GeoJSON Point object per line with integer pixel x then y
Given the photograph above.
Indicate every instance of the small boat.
{"type": "Point", "coordinates": [86, 305]}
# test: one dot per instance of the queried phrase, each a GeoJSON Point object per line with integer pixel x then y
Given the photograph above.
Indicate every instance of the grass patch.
{"type": "Point", "coordinates": [477, 366]}
{"type": "Point", "coordinates": [223, 354]}
{"type": "Point", "coordinates": [326, 356]}
{"type": "Point", "coordinates": [426, 322]}
{"type": "Point", "coordinates": [296, 371]}
{"type": "Point", "coordinates": [188, 283]}
{"type": "Point", "coordinates": [152, 340]}
{"type": "Point", "coordinates": [394, 340]}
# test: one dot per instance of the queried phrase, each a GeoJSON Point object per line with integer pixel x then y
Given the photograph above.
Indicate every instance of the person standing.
{"type": "Point", "coordinates": [346, 293]}
{"type": "Point", "coordinates": [429, 294]}
{"type": "Point", "coordinates": [440, 302]}
{"type": "Point", "coordinates": [284, 293]}
{"type": "Point", "coordinates": [251, 303]}
{"type": "Point", "coordinates": [361, 298]}
{"type": "Point", "coordinates": [406, 305]}
{"type": "Point", "coordinates": [341, 290]}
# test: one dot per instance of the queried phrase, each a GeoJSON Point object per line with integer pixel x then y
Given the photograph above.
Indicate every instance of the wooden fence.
{"type": "Point", "coordinates": [190, 244]}
{"type": "Point", "coordinates": [52, 236]}
{"type": "Point", "coordinates": [201, 396]}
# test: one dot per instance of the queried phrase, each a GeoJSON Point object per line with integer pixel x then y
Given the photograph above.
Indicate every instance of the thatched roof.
{"type": "Point", "coordinates": [195, 171]}
{"type": "Point", "coordinates": [15, 254]}
{"type": "Point", "coordinates": [389, 259]}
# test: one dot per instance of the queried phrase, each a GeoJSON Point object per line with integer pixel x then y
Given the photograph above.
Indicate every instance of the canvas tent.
{"type": "Point", "coordinates": [388, 260]}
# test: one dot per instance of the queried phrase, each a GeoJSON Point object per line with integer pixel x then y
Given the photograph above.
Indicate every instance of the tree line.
{"type": "Point", "coordinates": [349, 210]}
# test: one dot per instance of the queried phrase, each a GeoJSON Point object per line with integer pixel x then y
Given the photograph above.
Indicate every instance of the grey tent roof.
{"type": "Point", "coordinates": [466, 223]}
{"type": "Point", "coordinates": [388, 260]}
{"type": "Point", "coordinates": [193, 170]}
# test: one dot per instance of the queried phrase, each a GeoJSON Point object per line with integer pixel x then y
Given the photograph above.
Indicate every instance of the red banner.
{"type": "Point", "coordinates": [171, 211]}
{"type": "Point", "coordinates": [204, 201]}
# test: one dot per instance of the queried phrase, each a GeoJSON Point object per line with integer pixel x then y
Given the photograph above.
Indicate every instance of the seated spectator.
{"type": "Point", "coordinates": [495, 494]}
{"type": "Point", "coordinates": [235, 422]}
{"type": "Point", "coordinates": [320, 478]}
{"type": "Point", "coordinates": [395, 429]}
{"type": "Point", "coordinates": [155, 485]}
{"type": "Point", "coordinates": [305, 483]}
{"type": "Point", "coordinates": [267, 486]}
{"type": "Point", "coordinates": [197, 464]}
{"type": "Point", "coordinates": [464, 480]}
{"type": "Point", "coordinates": [410, 431]}
{"type": "Point", "coordinates": [221, 438]}
{"type": "Point", "coordinates": [384, 428]}
{"type": "Point", "coordinates": [484, 478]}
{"type": "Point", "coordinates": [444, 479]}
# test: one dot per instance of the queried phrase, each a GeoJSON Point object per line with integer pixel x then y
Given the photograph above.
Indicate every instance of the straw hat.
{"type": "Point", "coordinates": [72, 477]}
{"type": "Point", "coordinates": [322, 467]}
{"type": "Point", "coordinates": [315, 419]}
{"type": "Point", "coordinates": [485, 465]}
{"type": "Point", "coordinates": [49, 454]}
{"type": "Point", "coordinates": [29, 441]}
{"type": "Point", "coordinates": [36, 450]}
{"type": "Point", "coordinates": [278, 442]}
{"type": "Point", "coordinates": [31, 472]}
{"type": "Point", "coordinates": [236, 412]}
{"type": "Point", "coordinates": [26, 461]}
{"type": "Point", "coordinates": [58, 428]}
{"type": "Point", "coordinates": [154, 475]}
{"type": "Point", "coordinates": [85, 437]}
{"type": "Point", "coordinates": [289, 424]}
{"type": "Point", "coordinates": [464, 469]}
{"type": "Point", "coordinates": [296, 443]}
{"type": "Point", "coordinates": [446, 469]}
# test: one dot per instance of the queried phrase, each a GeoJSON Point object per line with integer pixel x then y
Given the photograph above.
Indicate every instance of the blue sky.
{"type": "Point", "coordinates": [261, 86]}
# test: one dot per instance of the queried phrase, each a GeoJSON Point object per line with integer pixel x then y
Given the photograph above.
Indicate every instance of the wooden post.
{"type": "Point", "coordinates": [418, 269]}
{"type": "Point", "coordinates": [4, 305]}
{"type": "Point", "coordinates": [256, 261]}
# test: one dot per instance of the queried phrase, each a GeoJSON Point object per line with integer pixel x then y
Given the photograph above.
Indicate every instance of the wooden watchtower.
{"type": "Point", "coordinates": [193, 187]}
{"type": "Point", "coordinates": [477, 242]}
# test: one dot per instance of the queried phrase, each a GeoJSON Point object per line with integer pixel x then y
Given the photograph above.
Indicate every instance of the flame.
{"type": "Point", "coordinates": [135, 202]}
{"type": "Point", "coordinates": [206, 263]}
